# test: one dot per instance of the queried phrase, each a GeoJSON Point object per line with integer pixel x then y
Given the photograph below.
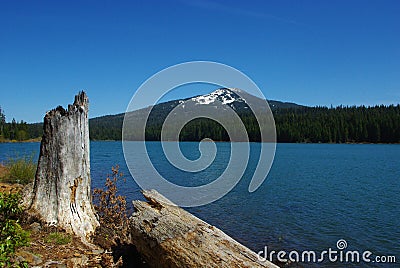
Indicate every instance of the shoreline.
{"type": "Point", "coordinates": [38, 140]}
{"type": "Point", "coordinates": [24, 141]}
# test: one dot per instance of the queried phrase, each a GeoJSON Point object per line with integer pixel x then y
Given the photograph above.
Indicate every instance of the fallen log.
{"type": "Point", "coordinates": [168, 236]}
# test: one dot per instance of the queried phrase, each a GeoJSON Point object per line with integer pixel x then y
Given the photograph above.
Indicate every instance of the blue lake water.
{"type": "Point", "coordinates": [314, 195]}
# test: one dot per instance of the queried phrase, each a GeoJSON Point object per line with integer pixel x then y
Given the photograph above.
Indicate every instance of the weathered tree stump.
{"type": "Point", "coordinates": [61, 192]}
{"type": "Point", "coordinates": [168, 236]}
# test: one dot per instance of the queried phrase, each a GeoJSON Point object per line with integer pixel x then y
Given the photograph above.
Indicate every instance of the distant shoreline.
{"type": "Point", "coordinates": [24, 141]}
{"type": "Point", "coordinates": [378, 143]}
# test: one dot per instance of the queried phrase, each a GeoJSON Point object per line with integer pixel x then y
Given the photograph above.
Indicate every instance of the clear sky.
{"type": "Point", "coordinates": [308, 52]}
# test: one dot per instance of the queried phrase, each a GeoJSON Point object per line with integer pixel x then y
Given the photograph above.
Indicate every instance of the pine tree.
{"type": "Point", "coordinates": [2, 122]}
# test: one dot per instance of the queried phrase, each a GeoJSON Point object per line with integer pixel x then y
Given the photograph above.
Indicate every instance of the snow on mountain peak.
{"type": "Point", "coordinates": [224, 95]}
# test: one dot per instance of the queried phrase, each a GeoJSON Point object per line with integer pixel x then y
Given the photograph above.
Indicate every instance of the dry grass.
{"type": "Point", "coordinates": [19, 170]}
{"type": "Point", "coordinates": [8, 187]}
{"type": "Point", "coordinates": [3, 171]}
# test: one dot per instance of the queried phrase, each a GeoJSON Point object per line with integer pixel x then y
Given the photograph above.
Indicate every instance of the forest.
{"type": "Point", "coordinates": [342, 124]}
{"type": "Point", "coordinates": [18, 131]}
{"type": "Point", "coordinates": [379, 124]}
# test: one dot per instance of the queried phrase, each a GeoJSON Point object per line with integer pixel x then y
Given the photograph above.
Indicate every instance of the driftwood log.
{"type": "Point", "coordinates": [168, 236]}
{"type": "Point", "coordinates": [61, 194]}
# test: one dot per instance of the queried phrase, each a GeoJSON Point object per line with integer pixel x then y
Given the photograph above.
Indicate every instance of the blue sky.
{"type": "Point", "coordinates": [308, 52]}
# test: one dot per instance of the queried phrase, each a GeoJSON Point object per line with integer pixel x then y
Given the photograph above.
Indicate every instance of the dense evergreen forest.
{"type": "Point", "coordinates": [379, 124]}
{"type": "Point", "coordinates": [18, 131]}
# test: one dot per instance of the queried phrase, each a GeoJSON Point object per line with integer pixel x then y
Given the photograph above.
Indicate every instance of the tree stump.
{"type": "Point", "coordinates": [168, 236]}
{"type": "Point", "coordinates": [61, 192]}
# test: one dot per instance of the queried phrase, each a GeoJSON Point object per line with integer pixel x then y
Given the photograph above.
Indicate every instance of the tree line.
{"type": "Point", "coordinates": [342, 124]}
{"type": "Point", "coordinates": [379, 124]}
{"type": "Point", "coordinates": [19, 131]}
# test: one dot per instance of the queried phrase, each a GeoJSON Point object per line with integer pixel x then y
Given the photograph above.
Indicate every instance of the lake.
{"type": "Point", "coordinates": [314, 195]}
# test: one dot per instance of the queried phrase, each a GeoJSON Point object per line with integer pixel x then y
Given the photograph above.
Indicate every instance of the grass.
{"type": "Point", "coordinates": [3, 171]}
{"type": "Point", "coordinates": [20, 170]}
{"type": "Point", "coordinates": [58, 238]}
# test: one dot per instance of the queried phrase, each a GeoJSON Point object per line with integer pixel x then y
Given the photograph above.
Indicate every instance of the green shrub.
{"type": "Point", "coordinates": [12, 235]}
{"type": "Point", "coordinates": [20, 170]}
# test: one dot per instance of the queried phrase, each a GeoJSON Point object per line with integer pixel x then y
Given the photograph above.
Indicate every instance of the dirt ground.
{"type": "Point", "coordinates": [48, 253]}
{"type": "Point", "coordinates": [43, 252]}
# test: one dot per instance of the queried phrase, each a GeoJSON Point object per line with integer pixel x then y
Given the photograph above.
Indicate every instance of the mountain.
{"type": "Point", "coordinates": [109, 127]}
{"type": "Point", "coordinates": [275, 105]}
{"type": "Point", "coordinates": [230, 97]}
{"type": "Point", "coordinates": [225, 96]}
{"type": "Point", "coordinates": [294, 123]}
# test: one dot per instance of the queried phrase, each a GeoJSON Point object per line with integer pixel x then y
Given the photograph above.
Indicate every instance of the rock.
{"type": "Point", "coordinates": [78, 262]}
{"type": "Point", "coordinates": [35, 227]}
{"type": "Point", "coordinates": [168, 236]}
{"type": "Point", "coordinates": [53, 264]}
{"type": "Point", "coordinates": [97, 251]}
{"type": "Point", "coordinates": [26, 256]}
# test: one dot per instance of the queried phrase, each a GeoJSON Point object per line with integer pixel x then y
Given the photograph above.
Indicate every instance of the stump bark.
{"type": "Point", "coordinates": [168, 236]}
{"type": "Point", "coordinates": [61, 192]}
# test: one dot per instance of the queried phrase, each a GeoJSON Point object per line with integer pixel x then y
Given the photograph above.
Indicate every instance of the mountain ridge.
{"type": "Point", "coordinates": [294, 123]}
{"type": "Point", "coordinates": [220, 94]}
{"type": "Point", "coordinates": [108, 124]}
